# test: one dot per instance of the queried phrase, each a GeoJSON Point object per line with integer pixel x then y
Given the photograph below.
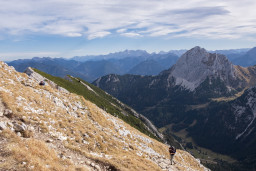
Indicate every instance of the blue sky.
{"type": "Point", "coordinates": [64, 28]}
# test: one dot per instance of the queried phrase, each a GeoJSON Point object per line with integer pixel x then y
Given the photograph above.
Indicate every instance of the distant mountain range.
{"type": "Point", "coordinates": [247, 59]}
{"type": "Point", "coordinates": [136, 62]}
{"type": "Point", "coordinates": [232, 54]}
{"type": "Point", "coordinates": [117, 55]}
{"type": "Point", "coordinates": [202, 100]}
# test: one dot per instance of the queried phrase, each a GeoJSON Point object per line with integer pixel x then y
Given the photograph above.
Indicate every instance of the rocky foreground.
{"type": "Point", "coordinates": [48, 128]}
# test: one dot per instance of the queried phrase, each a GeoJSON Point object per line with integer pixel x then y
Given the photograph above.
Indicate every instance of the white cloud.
{"type": "Point", "coordinates": [131, 34]}
{"type": "Point", "coordinates": [98, 35]}
{"type": "Point", "coordinates": [95, 19]}
{"type": "Point", "coordinates": [121, 30]}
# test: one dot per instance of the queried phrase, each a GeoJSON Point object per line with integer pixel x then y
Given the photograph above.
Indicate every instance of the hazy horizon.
{"type": "Point", "coordinates": [104, 54]}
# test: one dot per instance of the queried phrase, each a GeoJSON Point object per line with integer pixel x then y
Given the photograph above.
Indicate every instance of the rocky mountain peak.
{"type": "Point", "coordinates": [196, 50]}
{"type": "Point", "coordinates": [197, 64]}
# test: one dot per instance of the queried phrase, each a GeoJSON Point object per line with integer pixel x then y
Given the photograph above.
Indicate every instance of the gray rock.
{"type": "Point", "coordinates": [61, 155]}
{"type": "Point", "coordinates": [10, 125]}
{"type": "Point", "coordinates": [19, 134]}
{"type": "Point", "coordinates": [97, 167]}
{"type": "Point", "coordinates": [2, 126]}
{"type": "Point", "coordinates": [7, 112]}
{"type": "Point", "coordinates": [86, 135]}
{"type": "Point", "coordinates": [87, 162]}
{"type": "Point", "coordinates": [28, 82]}
{"type": "Point", "coordinates": [197, 64]}
{"type": "Point", "coordinates": [49, 141]}
{"type": "Point", "coordinates": [1, 113]}
{"type": "Point", "coordinates": [19, 127]}
{"type": "Point", "coordinates": [30, 128]}
{"type": "Point", "coordinates": [31, 73]}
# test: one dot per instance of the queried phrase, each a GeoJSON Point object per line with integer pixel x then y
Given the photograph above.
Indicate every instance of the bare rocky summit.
{"type": "Point", "coordinates": [197, 64]}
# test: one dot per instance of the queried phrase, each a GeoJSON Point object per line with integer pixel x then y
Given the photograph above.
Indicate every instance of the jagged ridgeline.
{"type": "Point", "coordinates": [46, 127]}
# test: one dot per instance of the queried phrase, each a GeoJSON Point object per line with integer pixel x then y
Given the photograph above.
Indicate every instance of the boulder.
{"type": "Point", "coordinates": [49, 141]}
{"type": "Point", "coordinates": [7, 112]}
{"type": "Point", "coordinates": [2, 126]}
{"type": "Point", "coordinates": [19, 134]}
{"type": "Point", "coordinates": [29, 83]}
{"type": "Point", "coordinates": [19, 127]}
{"type": "Point", "coordinates": [31, 128]}
{"type": "Point", "coordinates": [9, 124]}
{"type": "Point", "coordinates": [97, 167]}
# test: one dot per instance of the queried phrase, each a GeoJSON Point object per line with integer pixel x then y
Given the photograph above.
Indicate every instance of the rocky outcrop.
{"type": "Point", "coordinates": [32, 74]}
{"type": "Point", "coordinates": [197, 64]}
{"type": "Point", "coordinates": [244, 110]}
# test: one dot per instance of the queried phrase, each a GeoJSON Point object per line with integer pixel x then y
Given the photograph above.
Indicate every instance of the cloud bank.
{"type": "Point", "coordinates": [154, 18]}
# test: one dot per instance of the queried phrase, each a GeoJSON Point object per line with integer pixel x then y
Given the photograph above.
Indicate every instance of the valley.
{"type": "Point", "coordinates": [202, 104]}
{"type": "Point", "coordinates": [204, 101]}
{"type": "Point", "coordinates": [138, 85]}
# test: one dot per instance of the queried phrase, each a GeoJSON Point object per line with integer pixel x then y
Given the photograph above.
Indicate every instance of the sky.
{"type": "Point", "coordinates": [67, 28]}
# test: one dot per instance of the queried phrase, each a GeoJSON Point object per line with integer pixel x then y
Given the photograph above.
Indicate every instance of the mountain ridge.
{"type": "Point", "coordinates": [247, 59]}
{"type": "Point", "coordinates": [187, 95]}
{"type": "Point", "coordinates": [44, 127]}
{"type": "Point", "coordinates": [195, 65]}
{"type": "Point", "coordinates": [92, 69]}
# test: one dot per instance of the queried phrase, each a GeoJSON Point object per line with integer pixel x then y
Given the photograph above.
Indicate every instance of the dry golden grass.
{"type": "Point", "coordinates": [32, 154]}
{"type": "Point", "coordinates": [226, 99]}
{"type": "Point", "coordinates": [243, 73]}
{"type": "Point", "coordinates": [94, 135]}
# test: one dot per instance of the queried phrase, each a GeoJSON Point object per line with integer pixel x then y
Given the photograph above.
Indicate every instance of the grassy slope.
{"type": "Point", "coordinates": [101, 99]}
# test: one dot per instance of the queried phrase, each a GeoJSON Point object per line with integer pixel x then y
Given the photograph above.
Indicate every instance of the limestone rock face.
{"type": "Point", "coordinates": [30, 72]}
{"type": "Point", "coordinates": [245, 115]}
{"type": "Point", "coordinates": [197, 64]}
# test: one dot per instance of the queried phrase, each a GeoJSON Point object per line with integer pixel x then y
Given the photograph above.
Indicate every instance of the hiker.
{"type": "Point", "coordinates": [42, 83]}
{"type": "Point", "coordinates": [172, 151]}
